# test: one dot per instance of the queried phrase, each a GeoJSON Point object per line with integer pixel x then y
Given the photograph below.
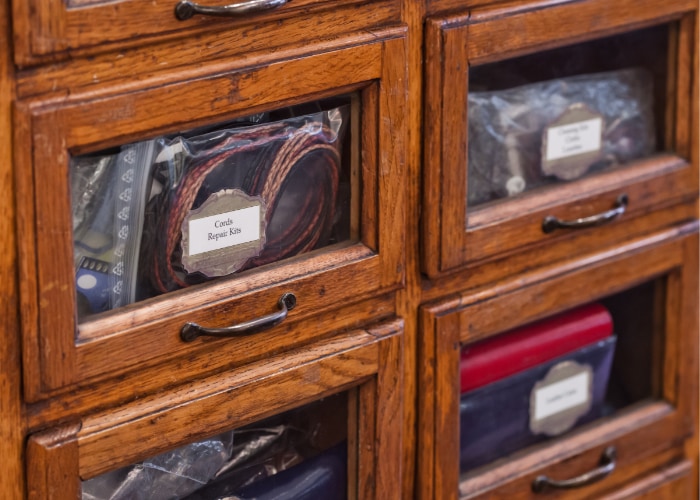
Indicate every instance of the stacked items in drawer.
{"type": "Point", "coordinates": [533, 382]}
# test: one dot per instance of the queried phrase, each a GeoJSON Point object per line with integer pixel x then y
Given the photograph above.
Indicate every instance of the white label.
{"type": "Point", "coordinates": [225, 230]}
{"type": "Point", "coordinates": [574, 139]}
{"type": "Point", "coordinates": [562, 395]}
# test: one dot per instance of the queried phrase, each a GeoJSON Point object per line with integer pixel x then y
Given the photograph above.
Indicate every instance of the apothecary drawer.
{"type": "Point", "coordinates": [159, 219]}
{"type": "Point", "coordinates": [316, 420]}
{"type": "Point", "coordinates": [50, 30]}
{"type": "Point", "coordinates": [593, 359]}
{"type": "Point", "coordinates": [538, 137]}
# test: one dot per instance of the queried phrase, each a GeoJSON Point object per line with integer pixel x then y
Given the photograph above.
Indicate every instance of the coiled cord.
{"type": "Point", "coordinates": [268, 180]}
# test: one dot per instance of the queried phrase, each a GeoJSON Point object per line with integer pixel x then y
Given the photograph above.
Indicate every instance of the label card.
{"type": "Point", "coordinates": [574, 139]}
{"type": "Point", "coordinates": [224, 230]}
{"type": "Point", "coordinates": [561, 398]}
{"type": "Point", "coordinates": [572, 143]}
{"type": "Point", "coordinates": [220, 236]}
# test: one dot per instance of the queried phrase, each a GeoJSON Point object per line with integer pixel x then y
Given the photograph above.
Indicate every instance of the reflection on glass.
{"type": "Point", "coordinates": [297, 455]}
{"type": "Point", "coordinates": [544, 379]}
{"type": "Point", "coordinates": [163, 214]}
{"type": "Point", "coordinates": [559, 115]}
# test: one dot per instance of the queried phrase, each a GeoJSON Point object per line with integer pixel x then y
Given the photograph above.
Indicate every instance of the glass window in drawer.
{"type": "Point", "coordinates": [604, 373]}
{"type": "Point", "coordinates": [174, 211]}
{"type": "Point", "coordinates": [312, 423]}
{"type": "Point", "coordinates": [300, 451]}
{"type": "Point", "coordinates": [566, 126]}
{"type": "Point", "coordinates": [165, 217]}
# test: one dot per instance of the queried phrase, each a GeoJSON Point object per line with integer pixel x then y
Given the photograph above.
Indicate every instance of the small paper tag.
{"type": "Point", "coordinates": [561, 398]}
{"type": "Point", "coordinates": [572, 143]}
{"type": "Point", "coordinates": [220, 236]}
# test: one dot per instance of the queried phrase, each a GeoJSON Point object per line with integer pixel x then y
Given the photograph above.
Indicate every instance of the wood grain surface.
{"type": "Point", "coordinates": [11, 415]}
{"type": "Point", "coordinates": [382, 318]}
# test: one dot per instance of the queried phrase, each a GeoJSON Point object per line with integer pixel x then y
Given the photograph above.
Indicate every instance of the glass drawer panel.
{"type": "Point", "coordinates": [545, 379]}
{"type": "Point", "coordinates": [554, 367]}
{"type": "Point", "coordinates": [177, 210]}
{"type": "Point", "coordinates": [558, 115]}
{"type": "Point", "coordinates": [314, 422]}
{"type": "Point", "coordinates": [299, 452]}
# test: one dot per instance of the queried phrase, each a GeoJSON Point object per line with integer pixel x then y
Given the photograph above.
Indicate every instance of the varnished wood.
{"type": "Point", "coordinates": [54, 30]}
{"type": "Point", "coordinates": [11, 417]}
{"type": "Point", "coordinates": [52, 460]}
{"type": "Point", "coordinates": [104, 441]}
{"type": "Point", "coordinates": [92, 77]}
{"type": "Point", "coordinates": [564, 466]}
{"type": "Point", "coordinates": [481, 313]}
{"type": "Point", "coordinates": [220, 354]}
{"type": "Point", "coordinates": [669, 483]}
{"type": "Point", "coordinates": [457, 235]}
{"type": "Point", "coordinates": [349, 273]}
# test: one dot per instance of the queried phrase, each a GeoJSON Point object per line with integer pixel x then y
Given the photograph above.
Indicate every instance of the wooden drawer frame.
{"type": "Point", "coordinates": [640, 431]}
{"type": "Point", "coordinates": [51, 30]}
{"type": "Point", "coordinates": [368, 363]}
{"type": "Point", "coordinates": [454, 237]}
{"type": "Point", "coordinates": [58, 354]}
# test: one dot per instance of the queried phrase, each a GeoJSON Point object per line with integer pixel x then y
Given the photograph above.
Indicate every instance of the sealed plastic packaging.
{"type": "Point", "coordinates": [239, 198]}
{"type": "Point", "coordinates": [558, 130]}
{"type": "Point", "coordinates": [109, 196]}
{"type": "Point", "coordinates": [249, 463]}
{"type": "Point", "coordinates": [163, 214]}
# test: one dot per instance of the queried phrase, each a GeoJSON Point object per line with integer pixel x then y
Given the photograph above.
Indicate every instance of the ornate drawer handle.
{"type": "Point", "coordinates": [286, 303]}
{"type": "Point", "coordinates": [550, 223]}
{"type": "Point", "coordinates": [607, 465]}
{"type": "Point", "coordinates": [186, 9]}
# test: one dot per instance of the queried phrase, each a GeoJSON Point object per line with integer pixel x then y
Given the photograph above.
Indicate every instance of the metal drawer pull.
{"type": "Point", "coordinates": [286, 303]}
{"type": "Point", "coordinates": [550, 223]}
{"type": "Point", "coordinates": [607, 465]}
{"type": "Point", "coordinates": [186, 9]}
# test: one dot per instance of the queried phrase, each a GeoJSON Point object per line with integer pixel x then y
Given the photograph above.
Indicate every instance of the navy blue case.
{"type": "Point", "coordinates": [495, 419]}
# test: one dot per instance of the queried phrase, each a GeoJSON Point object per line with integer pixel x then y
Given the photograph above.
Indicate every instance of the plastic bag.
{"type": "Point", "coordinates": [507, 128]}
{"type": "Point", "coordinates": [173, 474]}
{"type": "Point", "coordinates": [291, 166]}
{"type": "Point", "coordinates": [109, 196]}
{"type": "Point", "coordinates": [223, 463]}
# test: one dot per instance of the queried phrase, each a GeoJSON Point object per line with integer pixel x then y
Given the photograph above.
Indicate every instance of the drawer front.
{"type": "Point", "coordinates": [346, 388]}
{"type": "Point", "coordinates": [52, 29]}
{"type": "Point", "coordinates": [636, 405]}
{"type": "Point", "coordinates": [674, 481]}
{"type": "Point", "coordinates": [507, 166]}
{"type": "Point", "coordinates": [364, 260]}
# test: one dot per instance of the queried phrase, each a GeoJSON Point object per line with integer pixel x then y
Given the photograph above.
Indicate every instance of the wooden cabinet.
{"type": "Point", "coordinates": [425, 177]}
{"type": "Point", "coordinates": [644, 288]}
{"type": "Point", "coordinates": [359, 374]}
{"type": "Point", "coordinates": [475, 211]}
{"type": "Point", "coordinates": [50, 30]}
{"type": "Point", "coordinates": [366, 261]}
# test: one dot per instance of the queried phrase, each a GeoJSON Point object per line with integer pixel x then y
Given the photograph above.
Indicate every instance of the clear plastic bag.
{"type": "Point", "coordinates": [226, 463]}
{"type": "Point", "coordinates": [292, 166]}
{"type": "Point", "coordinates": [129, 204]}
{"type": "Point", "coordinates": [506, 128]}
{"type": "Point", "coordinates": [109, 196]}
{"type": "Point", "coordinates": [174, 474]}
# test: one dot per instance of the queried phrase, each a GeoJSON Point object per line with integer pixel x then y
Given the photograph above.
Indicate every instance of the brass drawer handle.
{"type": "Point", "coordinates": [550, 223]}
{"type": "Point", "coordinates": [607, 465]}
{"type": "Point", "coordinates": [286, 303]}
{"type": "Point", "coordinates": [186, 9]}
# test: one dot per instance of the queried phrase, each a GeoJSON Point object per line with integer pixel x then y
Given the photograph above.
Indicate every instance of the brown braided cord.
{"type": "Point", "coordinates": [268, 182]}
